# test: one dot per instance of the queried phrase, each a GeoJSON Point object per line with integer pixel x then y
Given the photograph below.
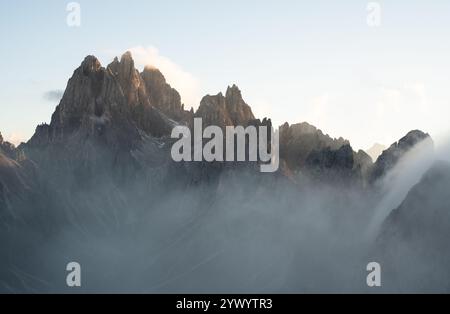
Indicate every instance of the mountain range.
{"type": "Point", "coordinates": [97, 184]}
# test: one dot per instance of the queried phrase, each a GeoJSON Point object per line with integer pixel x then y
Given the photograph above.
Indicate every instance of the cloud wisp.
{"type": "Point", "coordinates": [53, 95]}
{"type": "Point", "coordinates": [186, 84]}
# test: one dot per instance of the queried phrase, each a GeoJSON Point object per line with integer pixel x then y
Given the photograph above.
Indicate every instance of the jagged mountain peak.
{"type": "Point", "coordinates": [224, 110]}
{"type": "Point", "coordinates": [127, 55]}
{"type": "Point", "coordinates": [412, 138]}
{"type": "Point", "coordinates": [97, 98]}
{"type": "Point", "coordinates": [390, 157]}
{"type": "Point", "coordinates": [126, 62]}
{"type": "Point", "coordinates": [117, 104]}
{"type": "Point", "coordinates": [90, 64]}
{"type": "Point", "coordinates": [233, 91]}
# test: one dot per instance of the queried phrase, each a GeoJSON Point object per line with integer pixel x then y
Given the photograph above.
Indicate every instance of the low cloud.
{"type": "Point", "coordinates": [15, 138]}
{"type": "Point", "coordinates": [53, 95]}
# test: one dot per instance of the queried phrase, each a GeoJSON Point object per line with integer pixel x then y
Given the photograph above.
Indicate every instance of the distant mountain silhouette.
{"type": "Point", "coordinates": [389, 158]}
{"type": "Point", "coordinates": [375, 151]}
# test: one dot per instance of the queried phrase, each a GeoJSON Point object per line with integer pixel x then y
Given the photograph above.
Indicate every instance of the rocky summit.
{"type": "Point", "coordinates": [228, 110]}
{"type": "Point", "coordinates": [113, 104]}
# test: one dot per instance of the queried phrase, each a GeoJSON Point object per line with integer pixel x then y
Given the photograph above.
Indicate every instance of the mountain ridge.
{"type": "Point", "coordinates": [118, 106]}
{"type": "Point", "coordinates": [100, 180]}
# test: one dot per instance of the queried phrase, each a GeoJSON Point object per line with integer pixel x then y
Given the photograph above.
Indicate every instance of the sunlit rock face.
{"type": "Point", "coordinates": [228, 110]}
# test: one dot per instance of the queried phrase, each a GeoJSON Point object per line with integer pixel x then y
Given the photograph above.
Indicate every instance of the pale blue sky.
{"type": "Point", "coordinates": [315, 61]}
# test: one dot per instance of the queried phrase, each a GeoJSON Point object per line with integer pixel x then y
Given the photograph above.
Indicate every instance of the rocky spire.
{"type": "Point", "coordinates": [239, 111]}
{"type": "Point", "coordinates": [82, 97]}
{"type": "Point", "coordinates": [131, 83]}
{"type": "Point", "coordinates": [161, 95]}
{"type": "Point", "coordinates": [90, 64]}
{"type": "Point", "coordinates": [226, 110]}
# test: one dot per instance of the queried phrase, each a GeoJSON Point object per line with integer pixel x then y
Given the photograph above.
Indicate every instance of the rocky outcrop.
{"type": "Point", "coordinates": [128, 78]}
{"type": "Point", "coordinates": [330, 164]}
{"type": "Point", "coordinates": [298, 141]}
{"type": "Point", "coordinates": [163, 97]}
{"type": "Point", "coordinates": [228, 110]}
{"type": "Point", "coordinates": [390, 157]}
